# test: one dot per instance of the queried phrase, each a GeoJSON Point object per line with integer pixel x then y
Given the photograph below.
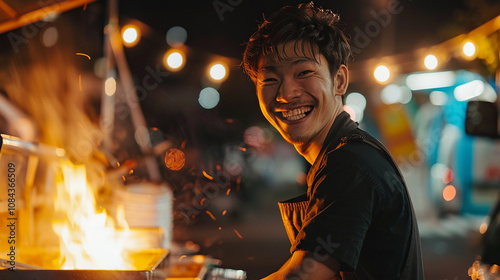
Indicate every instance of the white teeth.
{"type": "Point", "coordinates": [296, 114]}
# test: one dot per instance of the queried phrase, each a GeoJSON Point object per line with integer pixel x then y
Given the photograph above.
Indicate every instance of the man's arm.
{"type": "Point", "coordinates": [305, 265]}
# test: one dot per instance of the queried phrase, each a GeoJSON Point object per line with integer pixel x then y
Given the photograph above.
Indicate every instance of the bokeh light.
{"type": "Point", "coordinates": [391, 94]}
{"type": "Point", "coordinates": [483, 228]}
{"type": "Point", "coordinates": [469, 49]}
{"type": "Point", "coordinates": [110, 86]}
{"type": "Point", "coordinates": [218, 72]}
{"type": "Point", "coordinates": [209, 98]}
{"type": "Point", "coordinates": [382, 73]}
{"type": "Point", "coordinates": [406, 95]}
{"type": "Point", "coordinates": [174, 60]}
{"type": "Point", "coordinates": [175, 159]}
{"type": "Point", "coordinates": [50, 36]}
{"type": "Point", "coordinates": [431, 62]}
{"type": "Point", "coordinates": [420, 81]}
{"type": "Point", "coordinates": [130, 35]}
{"type": "Point", "coordinates": [357, 102]}
{"type": "Point", "coordinates": [350, 111]}
{"type": "Point", "coordinates": [356, 98]}
{"type": "Point", "coordinates": [468, 90]}
{"type": "Point", "coordinates": [448, 175]}
{"type": "Point", "coordinates": [255, 136]}
{"type": "Point", "coordinates": [438, 98]}
{"type": "Point", "coordinates": [176, 36]}
{"type": "Point", "coordinates": [437, 170]}
{"type": "Point", "coordinates": [449, 193]}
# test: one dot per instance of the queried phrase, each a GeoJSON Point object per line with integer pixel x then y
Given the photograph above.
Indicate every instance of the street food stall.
{"type": "Point", "coordinates": [68, 211]}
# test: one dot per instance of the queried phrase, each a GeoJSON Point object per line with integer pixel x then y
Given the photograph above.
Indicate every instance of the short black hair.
{"type": "Point", "coordinates": [305, 25]}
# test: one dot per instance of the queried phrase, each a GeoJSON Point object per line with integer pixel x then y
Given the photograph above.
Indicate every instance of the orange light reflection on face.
{"type": "Point", "coordinates": [449, 193]}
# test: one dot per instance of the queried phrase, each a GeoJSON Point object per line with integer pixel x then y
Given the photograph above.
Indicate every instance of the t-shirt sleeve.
{"type": "Point", "coordinates": [339, 213]}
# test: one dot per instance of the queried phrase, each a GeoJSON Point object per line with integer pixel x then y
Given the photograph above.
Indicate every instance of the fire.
{"type": "Point", "coordinates": [88, 238]}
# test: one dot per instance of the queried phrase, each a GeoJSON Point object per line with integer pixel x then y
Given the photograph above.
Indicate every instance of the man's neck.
{"type": "Point", "coordinates": [309, 152]}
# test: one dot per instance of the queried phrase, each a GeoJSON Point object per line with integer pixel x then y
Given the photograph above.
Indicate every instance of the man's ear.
{"type": "Point", "coordinates": [341, 80]}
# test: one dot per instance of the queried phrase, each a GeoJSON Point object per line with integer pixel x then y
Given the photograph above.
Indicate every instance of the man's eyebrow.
{"type": "Point", "coordinates": [272, 67]}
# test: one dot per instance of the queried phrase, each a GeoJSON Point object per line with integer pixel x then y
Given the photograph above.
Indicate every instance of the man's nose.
{"type": "Point", "coordinates": [288, 90]}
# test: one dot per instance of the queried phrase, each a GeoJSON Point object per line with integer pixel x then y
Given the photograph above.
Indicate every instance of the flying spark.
{"type": "Point", "coordinates": [238, 234]}
{"type": "Point", "coordinates": [83, 54]}
{"type": "Point", "coordinates": [207, 176]}
{"type": "Point", "coordinates": [211, 215]}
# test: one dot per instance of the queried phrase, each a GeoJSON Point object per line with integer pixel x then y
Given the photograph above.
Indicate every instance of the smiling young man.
{"type": "Point", "coordinates": [356, 220]}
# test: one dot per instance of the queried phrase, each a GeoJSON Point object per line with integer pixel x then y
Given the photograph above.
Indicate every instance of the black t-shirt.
{"type": "Point", "coordinates": [356, 209]}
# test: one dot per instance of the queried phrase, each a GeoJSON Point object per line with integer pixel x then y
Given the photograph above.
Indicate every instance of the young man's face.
{"type": "Point", "coordinates": [298, 95]}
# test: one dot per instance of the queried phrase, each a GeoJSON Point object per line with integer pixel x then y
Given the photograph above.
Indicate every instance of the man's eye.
{"type": "Point", "coordinates": [305, 72]}
{"type": "Point", "coordinates": [269, 80]}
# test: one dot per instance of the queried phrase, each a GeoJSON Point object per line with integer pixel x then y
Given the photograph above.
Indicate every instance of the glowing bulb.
{"type": "Point", "coordinates": [431, 62]}
{"type": "Point", "coordinates": [469, 49]}
{"type": "Point", "coordinates": [174, 60]}
{"type": "Point", "coordinates": [218, 72]}
{"type": "Point", "coordinates": [130, 35]}
{"type": "Point", "coordinates": [382, 73]}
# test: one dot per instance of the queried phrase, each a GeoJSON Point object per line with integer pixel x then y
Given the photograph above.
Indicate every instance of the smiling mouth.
{"type": "Point", "coordinates": [295, 114]}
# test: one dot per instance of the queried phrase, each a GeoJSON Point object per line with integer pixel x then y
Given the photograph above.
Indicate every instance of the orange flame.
{"type": "Point", "coordinates": [88, 238]}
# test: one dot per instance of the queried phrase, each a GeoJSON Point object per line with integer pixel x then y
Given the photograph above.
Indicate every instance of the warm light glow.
{"type": "Point", "coordinates": [469, 90]}
{"type": "Point", "coordinates": [483, 228]}
{"type": "Point", "coordinates": [175, 159]}
{"type": "Point", "coordinates": [422, 81]}
{"type": "Point", "coordinates": [449, 193]}
{"type": "Point", "coordinates": [50, 36]}
{"type": "Point", "coordinates": [110, 86]}
{"type": "Point", "coordinates": [174, 60]}
{"type": "Point", "coordinates": [130, 35]}
{"type": "Point", "coordinates": [431, 62]}
{"type": "Point", "coordinates": [469, 49]}
{"type": "Point", "coordinates": [382, 73]}
{"type": "Point", "coordinates": [218, 72]}
{"type": "Point", "coordinates": [88, 238]}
